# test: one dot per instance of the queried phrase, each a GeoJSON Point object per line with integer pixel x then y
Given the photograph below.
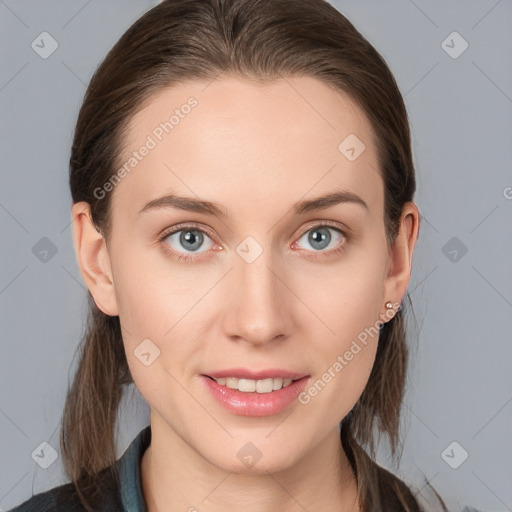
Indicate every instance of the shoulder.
{"type": "Point", "coordinates": [106, 492]}
{"type": "Point", "coordinates": [64, 498]}
{"type": "Point", "coordinates": [60, 498]}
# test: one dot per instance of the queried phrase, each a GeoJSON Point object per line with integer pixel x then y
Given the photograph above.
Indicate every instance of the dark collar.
{"type": "Point", "coordinates": [130, 474]}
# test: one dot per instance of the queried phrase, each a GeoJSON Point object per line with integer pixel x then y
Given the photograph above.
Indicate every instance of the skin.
{"type": "Point", "coordinates": [256, 150]}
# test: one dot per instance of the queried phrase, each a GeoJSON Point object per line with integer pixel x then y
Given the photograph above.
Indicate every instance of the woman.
{"type": "Point", "coordinates": [243, 217]}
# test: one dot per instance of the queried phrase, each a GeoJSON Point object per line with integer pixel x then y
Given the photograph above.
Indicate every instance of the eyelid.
{"type": "Point", "coordinates": [182, 227]}
{"type": "Point", "coordinates": [310, 225]}
{"type": "Point", "coordinates": [329, 223]}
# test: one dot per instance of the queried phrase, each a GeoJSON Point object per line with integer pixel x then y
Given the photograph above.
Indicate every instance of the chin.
{"type": "Point", "coordinates": [248, 459]}
{"type": "Point", "coordinates": [258, 468]}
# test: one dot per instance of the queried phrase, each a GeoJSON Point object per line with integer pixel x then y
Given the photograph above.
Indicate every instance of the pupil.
{"type": "Point", "coordinates": [188, 237]}
{"type": "Point", "coordinates": [318, 236]}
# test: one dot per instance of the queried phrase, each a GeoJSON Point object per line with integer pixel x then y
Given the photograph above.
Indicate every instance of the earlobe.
{"type": "Point", "coordinates": [401, 254]}
{"type": "Point", "coordinates": [93, 259]}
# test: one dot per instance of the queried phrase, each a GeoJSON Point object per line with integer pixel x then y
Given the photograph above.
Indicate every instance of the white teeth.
{"type": "Point", "coordinates": [251, 386]}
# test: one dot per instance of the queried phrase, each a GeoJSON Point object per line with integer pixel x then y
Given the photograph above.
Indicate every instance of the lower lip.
{"type": "Point", "coordinates": [255, 404]}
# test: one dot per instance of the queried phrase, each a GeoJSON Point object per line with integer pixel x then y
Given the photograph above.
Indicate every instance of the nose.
{"type": "Point", "coordinates": [258, 308]}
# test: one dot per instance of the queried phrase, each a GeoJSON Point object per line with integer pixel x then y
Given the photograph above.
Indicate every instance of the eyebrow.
{"type": "Point", "coordinates": [192, 204]}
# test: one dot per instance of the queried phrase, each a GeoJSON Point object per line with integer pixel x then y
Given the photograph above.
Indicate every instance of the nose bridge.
{"type": "Point", "coordinates": [258, 308]}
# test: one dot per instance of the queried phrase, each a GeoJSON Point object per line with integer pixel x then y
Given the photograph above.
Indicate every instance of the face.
{"type": "Point", "coordinates": [270, 279]}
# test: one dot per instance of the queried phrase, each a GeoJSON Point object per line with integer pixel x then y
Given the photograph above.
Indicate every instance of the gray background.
{"type": "Point", "coordinates": [461, 119]}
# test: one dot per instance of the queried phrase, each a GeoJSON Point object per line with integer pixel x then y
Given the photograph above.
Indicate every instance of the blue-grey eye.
{"type": "Point", "coordinates": [188, 239]}
{"type": "Point", "coordinates": [320, 237]}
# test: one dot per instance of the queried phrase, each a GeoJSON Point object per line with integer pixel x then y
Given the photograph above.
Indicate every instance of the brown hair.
{"type": "Point", "coordinates": [257, 40]}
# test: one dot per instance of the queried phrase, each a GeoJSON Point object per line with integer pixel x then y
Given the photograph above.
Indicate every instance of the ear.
{"type": "Point", "coordinates": [400, 263]}
{"type": "Point", "coordinates": [93, 259]}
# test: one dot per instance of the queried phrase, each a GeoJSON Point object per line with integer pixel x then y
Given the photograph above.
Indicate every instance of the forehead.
{"type": "Point", "coordinates": [231, 140]}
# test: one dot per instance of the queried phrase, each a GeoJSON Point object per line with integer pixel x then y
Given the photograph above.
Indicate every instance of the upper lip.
{"type": "Point", "coordinates": [245, 373]}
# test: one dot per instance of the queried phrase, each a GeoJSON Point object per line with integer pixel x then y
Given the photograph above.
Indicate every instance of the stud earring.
{"type": "Point", "coordinates": [389, 305]}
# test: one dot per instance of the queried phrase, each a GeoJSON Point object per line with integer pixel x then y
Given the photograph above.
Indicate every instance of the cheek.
{"type": "Point", "coordinates": [348, 304]}
{"type": "Point", "coordinates": [156, 311]}
{"type": "Point", "coordinates": [343, 374]}
{"type": "Point", "coordinates": [346, 301]}
{"type": "Point", "coordinates": [146, 295]}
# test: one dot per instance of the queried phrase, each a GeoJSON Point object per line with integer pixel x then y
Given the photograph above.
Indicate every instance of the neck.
{"type": "Point", "coordinates": [177, 478]}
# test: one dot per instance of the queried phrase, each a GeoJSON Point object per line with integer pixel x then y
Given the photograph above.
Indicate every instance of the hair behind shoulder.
{"type": "Point", "coordinates": [257, 40]}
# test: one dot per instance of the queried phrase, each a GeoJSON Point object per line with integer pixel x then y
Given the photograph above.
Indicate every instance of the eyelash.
{"type": "Point", "coordinates": [194, 227]}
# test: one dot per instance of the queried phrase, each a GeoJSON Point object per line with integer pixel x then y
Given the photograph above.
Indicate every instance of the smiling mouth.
{"type": "Point", "coordinates": [254, 386]}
